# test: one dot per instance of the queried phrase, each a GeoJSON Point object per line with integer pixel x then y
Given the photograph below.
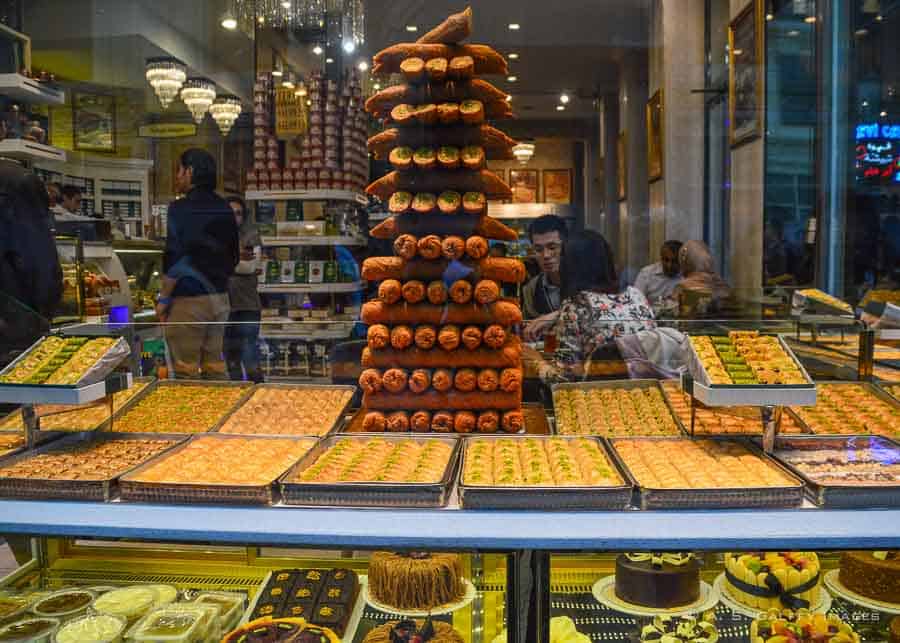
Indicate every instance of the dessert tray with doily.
{"type": "Point", "coordinates": [449, 608]}
{"type": "Point", "coordinates": [604, 590]}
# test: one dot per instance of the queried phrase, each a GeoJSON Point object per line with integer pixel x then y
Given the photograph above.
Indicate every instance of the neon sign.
{"type": "Point", "coordinates": [871, 131]}
{"type": "Point", "coordinates": [877, 161]}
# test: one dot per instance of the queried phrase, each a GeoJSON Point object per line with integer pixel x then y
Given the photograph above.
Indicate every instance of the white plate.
{"type": "Point", "coordinates": [731, 603]}
{"type": "Point", "coordinates": [604, 590]}
{"type": "Point", "coordinates": [467, 598]}
{"type": "Point", "coordinates": [833, 582]}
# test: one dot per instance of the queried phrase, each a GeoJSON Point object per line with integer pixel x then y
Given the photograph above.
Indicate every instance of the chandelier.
{"type": "Point", "coordinates": [300, 14]}
{"type": "Point", "coordinates": [166, 75]}
{"type": "Point", "coordinates": [225, 111]}
{"type": "Point", "coordinates": [198, 94]}
{"type": "Point", "coordinates": [523, 152]}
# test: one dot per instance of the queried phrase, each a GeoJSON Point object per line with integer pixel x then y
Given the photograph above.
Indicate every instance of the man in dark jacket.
{"type": "Point", "coordinates": [200, 257]}
{"type": "Point", "coordinates": [30, 274]}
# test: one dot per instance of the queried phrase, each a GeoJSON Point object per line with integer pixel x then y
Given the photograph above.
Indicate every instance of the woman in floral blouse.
{"type": "Point", "coordinates": [594, 312]}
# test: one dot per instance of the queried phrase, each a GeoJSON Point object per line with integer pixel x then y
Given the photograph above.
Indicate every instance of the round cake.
{"type": "Point", "coordinates": [773, 579]}
{"type": "Point", "coordinates": [873, 574]}
{"type": "Point", "coordinates": [415, 581]}
{"type": "Point", "coordinates": [779, 626]}
{"type": "Point", "coordinates": [653, 579]}
{"type": "Point", "coordinates": [408, 631]}
{"type": "Point", "coordinates": [280, 630]}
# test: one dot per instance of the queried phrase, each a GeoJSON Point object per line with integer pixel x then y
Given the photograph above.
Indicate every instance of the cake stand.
{"type": "Point", "coordinates": [822, 605]}
{"type": "Point", "coordinates": [467, 598]}
{"type": "Point", "coordinates": [833, 582]}
{"type": "Point", "coordinates": [604, 590]}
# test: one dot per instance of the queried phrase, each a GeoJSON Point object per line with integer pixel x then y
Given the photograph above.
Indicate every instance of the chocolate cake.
{"type": "Point", "coordinates": [657, 579]}
{"type": "Point", "coordinates": [873, 574]}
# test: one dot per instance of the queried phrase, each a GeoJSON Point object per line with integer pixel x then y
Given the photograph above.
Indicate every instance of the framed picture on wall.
{"type": "Point", "coordinates": [746, 74]}
{"type": "Point", "coordinates": [524, 185]}
{"type": "Point", "coordinates": [94, 122]}
{"type": "Point", "coordinates": [622, 166]}
{"type": "Point", "coordinates": [557, 186]}
{"type": "Point", "coordinates": [655, 137]}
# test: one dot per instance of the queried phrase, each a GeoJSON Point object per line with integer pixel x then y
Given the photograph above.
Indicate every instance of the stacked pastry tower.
{"type": "Point", "coordinates": [441, 355]}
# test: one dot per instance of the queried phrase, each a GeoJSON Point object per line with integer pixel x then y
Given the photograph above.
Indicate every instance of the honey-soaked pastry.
{"type": "Point", "coordinates": [423, 203]}
{"type": "Point", "coordinates": [850, 408]}
{"type": "Point", "coordinates": [370, 380]}
{"type": "Point", "coordinates": [474, 202]}
{"type": "Point", "coordinates": [390, 291]}
{"type": "Point", "coordinates": [449, 337]}
{"type": "Point", "coordinates": [484, 183]}
{"type": "Point", "coordinates": [452, 30]}
{"type": "Point", "coordinates": [449, 202]}
{"type": "Point", "coordinates": [395, 380]}
{"type": "Point", "coordinates": [437, 293]}
{"type": "Point", "coordinates": [538, 462]}
{"type": "Point", "coordinates": [511, 379]}
{"type": "Point", "coordinates": [495, 336]}
{"type": "Point", "coordinates": [430, 247]}
{"type": "Point", "coordinates": [471, 337]}
{"type": "Point", "coordinates": [442, 380]}
{"type": "Point", "coordinates": [465, 380]}
{"type": "Point", "coordinates": [613, 412]}
{"type": "Point", "coordinates": [398, 422]}
{"type": "Point", "coordinates": [488, 380]}
{"type": "Point", "coordinates": [436, 69]}
{"type": "Point", "coordinates": [401, 337]}
{"type": "Point", "coordinates": [401, 158]}
{"type": "Point", "coordinates": [374, 422]}
{"type": "Point", "coordinates": [453, 247]}
{"type": "Point", "coordinates": [448, 156]}
{"type": "Point", "coordinates": [236, 461]}
{"type": "Point", "coordinates": [488, 422]}
{"type": "Point", "coordinates": [420, 421]}
{"type": "Point", "coordinates": [473, 157]}
{"type": "Point", "coordinates": [401, 201]}
{"type": "Point", "coordinates": [477, 247]}
{"type": "Point", "coordinates": [425, 158]}
{"type": "Point", "coordinates": [487, 291]}
{"type": "Point", "coordinates": [420, 380]}
{"type": "Point", "coordinates": [679, 463]}
{"type": "Point", "coordinates": [502, 313]}
{"type": "Point", "coordinates": [180, 408]}
{"type": "Point", "coordinates": [486, 61]}
{"type": "Point", "coordinates": [493, 143]}
{"type": "Point", "coordinates": [413, 69]}
{"type": "Point", "coordinates": [413, 291]}
{"type": "Point", "coordinates": [406, 246]}
{"type": "Point", "coordinates": [463, 68]}
{"type": "Point", "coordinates": [464, 422]}
{"type": "Point", "coordinates": [301, 410]}
{"type": "Point", "coordinates": [448, 113]}
{"type": "Point", "coordinates": [472, 112]}
{"type": "Point", "coordinates": [425, 336]}
{"type": "Point", "coordinates": [378, 336]}
{"type": "Point", "coordinates": [442, 422]}
{"type": "Point", "coordinates": [513, 421]}
{"type": "Point", "coordinates": [461, 291]}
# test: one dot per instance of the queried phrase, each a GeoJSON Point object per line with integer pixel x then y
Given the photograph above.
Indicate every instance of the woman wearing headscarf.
{"type": "Point", "coordinates": [702, 289]}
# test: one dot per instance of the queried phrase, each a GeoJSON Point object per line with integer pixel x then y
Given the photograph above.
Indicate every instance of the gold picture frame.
{"type": "Point", "coordinates": [621, 166]}
{"type": "Point", "coordinates": [746, 74]}
{"type": "Point", "coordinates": [655, 131]}
{"type": "Point", "coordinates": [557, 186]}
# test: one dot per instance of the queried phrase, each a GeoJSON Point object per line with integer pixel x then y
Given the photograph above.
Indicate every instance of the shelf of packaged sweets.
{"type": "Point", "coordinates": [313, 240]}
{"type": "Point", "coordinates": [29, 90]}
{"type": "Point", "coordinates": [307, 195]}
{"type": "Point", "coordinates": [343, 287]}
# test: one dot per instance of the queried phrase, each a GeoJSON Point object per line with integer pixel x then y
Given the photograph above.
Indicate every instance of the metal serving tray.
{"type": "Point", "coordinates": [90, 387]}
{"type": "Point", "coordinates": [545, 498]}
{"type": "Point", "coordinates": [626, 385]}
{"type": "Point", "coordinates": [42, 437]}
{"type": "Point", "coordinates": [881, 387]}
{"type": "Point", "coordinates": [868, 387]}
{"type": "Point", "coordinates": [134, 401]}
{"type": "Point", "coordinates": [536, 423]}
{"type": "Point", "coordinates": [851, 494]}
{"type": "Point", "coordinates": [333, 428]}
{"type": "Point", "coordinates": [750, 394]}
{"type": "Point", "coordinates": [803, 306]}
{"type": "Point", "coordinates": [100, 490]}
{"type": "Point", "coordinates": [370, 494]}
{"type": "Point", "coordinates": [743, 497]}
{"type": "Point", "coordinates": [188, 492]}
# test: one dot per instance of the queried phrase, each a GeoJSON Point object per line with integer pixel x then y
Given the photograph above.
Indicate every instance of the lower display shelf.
{"type": "Point", "coordinates": [452, 529]}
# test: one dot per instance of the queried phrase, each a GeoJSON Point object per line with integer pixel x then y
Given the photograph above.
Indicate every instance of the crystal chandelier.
{"type": "Point", "coordinates": [166, 75]}
{"type": "Point", "coordinates": [198, 94]}
{"type": "Point", "coordinates": [225, 111]}
{"type": "Point", "coordinates": [523, 152]}
{"type": "Point", "coordinates": [300, 14]}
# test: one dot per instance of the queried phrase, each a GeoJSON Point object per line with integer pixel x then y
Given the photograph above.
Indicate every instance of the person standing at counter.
{"type": "Point", "coordinates": [593, 312]}
{"type": "Point", "coordinates": [200, 257]}
{"type": "Point", "coordinates": [541, 297]}
{"type": "Point", "coordinates": [242, 333]}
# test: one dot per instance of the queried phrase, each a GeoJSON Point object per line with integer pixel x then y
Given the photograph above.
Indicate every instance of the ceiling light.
{"type": "Point", "coordinates": [564, 98]}
{"type": "Point", "coordinates": [317, 50]}
{"type": "Point", "coordinates": [411, 28]}
{"type": "Point", "coordinates": [513, 56]}
{"type": "Point", "coordinates": [198, 94]}
{"type": "Point", "coordinates": [376, 86]}
{"type": "Point", "coordinates": [809, 19]}
{"type": "Point", "coordinates": [308, 103]}
{"type": "Point", "coordinates": [523, 152]}
{"type": "Point", "coordinates": [261, 20]}
{"type": "Point", "coordinates": [328, 61]}
{"type": "Point", "coordinates": [883, 114]}
{"type": "Point", "coordinates": [286, 4]}
{"type": "Point", "coordinates": [793, 33]}
{"type": "Point", "coordinates": [770, 17]}
{"type": "Point", "coordinates": [363, 66]}
{"type": "Point", "coordinates": [514, 26]}
{"type": "Point", "coordinates": [225, 111]}
{"type": "Point", "coordinates": [861, 32]}
{"type": "Point", "coordinates": [512, 79]}
{"type": "Point", "coordinates": [560, 108]}
{"type": "Point", "coordinates": [349, 46]}
{"type": "Point", "coordinates": [301, 90]}
{"type": "Point", "coordinates": [287, 83]}
{"type": "Point", "coordinates": [229, 22]}
{"type": "Point", "coordinates": [166, 75]}
{"type": "Point", "coordinates": [879, 17]}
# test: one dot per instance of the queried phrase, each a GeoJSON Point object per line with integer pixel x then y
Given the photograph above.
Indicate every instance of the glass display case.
{"type": "Point", "coordinates": [142, 261]}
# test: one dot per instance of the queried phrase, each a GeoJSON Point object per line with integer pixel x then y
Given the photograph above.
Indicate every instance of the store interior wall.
{"type": "Point", "coordinates": [632, 103]}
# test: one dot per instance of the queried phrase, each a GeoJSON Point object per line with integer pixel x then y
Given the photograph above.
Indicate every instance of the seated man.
{"type": "Point", "coordinates": [658, 280]}
{"type": "Point", "coordinates": [541, 297]}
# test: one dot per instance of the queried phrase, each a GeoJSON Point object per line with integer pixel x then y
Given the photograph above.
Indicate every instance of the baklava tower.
{"type": "Point", "coordinates": [441, 354]}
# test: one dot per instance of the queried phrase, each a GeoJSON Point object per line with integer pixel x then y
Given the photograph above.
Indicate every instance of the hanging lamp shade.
{"type": "Point", "coordinates": [198, 94]}
{"type": "Point", "coordinates": [225, 111]}
{"type": "Point", "coordinates": [166, 75]}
